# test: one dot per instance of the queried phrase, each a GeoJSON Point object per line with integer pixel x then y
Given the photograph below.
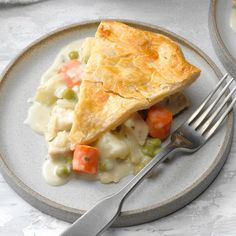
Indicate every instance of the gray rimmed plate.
{"type": "Point", "coordinates": [177, 181]}
{"type": "Point", "coordinates": [223, 37]}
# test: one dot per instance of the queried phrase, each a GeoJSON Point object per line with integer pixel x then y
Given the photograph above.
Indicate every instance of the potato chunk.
{"type": "Point", "coordinates": [112, 147]}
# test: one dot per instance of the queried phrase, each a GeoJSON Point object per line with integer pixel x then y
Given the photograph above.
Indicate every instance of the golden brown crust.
{"type": "Point", "coordinates": [95, 111]}
{"type": "Point", "coordinates": [134, 69]}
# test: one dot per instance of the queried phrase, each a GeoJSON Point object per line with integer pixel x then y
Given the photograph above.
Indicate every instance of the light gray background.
{"type": "Point", "coordinates": [214, 212]}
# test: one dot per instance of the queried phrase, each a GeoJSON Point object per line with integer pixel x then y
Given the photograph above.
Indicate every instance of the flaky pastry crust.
{"type": "Point", "coordinates": [128, 70]}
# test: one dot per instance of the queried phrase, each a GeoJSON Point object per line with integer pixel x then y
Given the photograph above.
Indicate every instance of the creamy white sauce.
{"type": "Point", "coordinates": [233, 19]}
{"type": "Point", "coordinates": [49, 173]}
{"type": "Point", "coordinates": [38, 117]}
{"type": "Point", "coordinates": [117, 173]}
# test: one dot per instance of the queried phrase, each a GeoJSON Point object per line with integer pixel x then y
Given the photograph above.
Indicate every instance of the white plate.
{"type": "Point", "coordinates": [177, 181]}
{"type": "Point", "coordinates": [223, 37]}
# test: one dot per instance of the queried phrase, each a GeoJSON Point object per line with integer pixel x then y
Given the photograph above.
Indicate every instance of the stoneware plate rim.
{"type": "Point", "coordinates": [228, 61]}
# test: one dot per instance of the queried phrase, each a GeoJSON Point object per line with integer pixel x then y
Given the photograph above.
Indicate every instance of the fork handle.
{"type": "Point", "coordinates": [103, 214]}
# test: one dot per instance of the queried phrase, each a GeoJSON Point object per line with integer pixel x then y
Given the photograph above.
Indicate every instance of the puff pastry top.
{"type": "Point", "coordinates": [128, 70]}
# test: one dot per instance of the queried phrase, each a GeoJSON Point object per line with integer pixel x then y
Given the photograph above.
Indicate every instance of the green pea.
{"type": "Point", "coordinates": [156, 151]}
{"type": "Point", "coordinates": [69, 94]}
{"type": "Point", "coordinates": [156, 142]}
{"type": "Point", "coordinates": [148, 150]}
{"type": "Point", "coordinates": [62, 171]}
{"type": "Point", "coordinates": [69, 160]}
{"type": "Point", "coordinates": [138, 167]}
{"type": "Point", "coordinates": [73, 55]}
{"type": "Point", "coordinates": [106, 165]}
{"type": "Point", "coordinates": [145, 160]}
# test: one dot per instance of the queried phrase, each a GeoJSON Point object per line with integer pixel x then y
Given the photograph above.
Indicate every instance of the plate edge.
{"type": "Point", "coordinates": [219, 46]}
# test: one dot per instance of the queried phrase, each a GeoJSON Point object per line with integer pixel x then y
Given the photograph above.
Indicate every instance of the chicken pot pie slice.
{"type": "Point", "coordinates": [128, 70]}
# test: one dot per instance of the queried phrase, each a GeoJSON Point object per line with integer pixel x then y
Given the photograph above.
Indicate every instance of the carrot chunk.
{"type": "Point", "coordinates": [159, 120]}
{"type": "Point", "coordinates": [85, 159]}
{"type": "Point", "coordinates": [72, 71]}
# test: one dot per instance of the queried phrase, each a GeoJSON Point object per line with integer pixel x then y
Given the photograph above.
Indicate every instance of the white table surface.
{"type": "Point", "coordinates": [214, 212]}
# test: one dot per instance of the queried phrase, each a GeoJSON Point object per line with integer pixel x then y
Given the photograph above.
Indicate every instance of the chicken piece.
{"type": "Point", "coordinates": [175, 103]}
{"type": "Point", "coordinates": [138, 127]}
{"type": "Point", "coordinates": [60, 146]}
{"type": "Point", "coordinates": [61, 119]}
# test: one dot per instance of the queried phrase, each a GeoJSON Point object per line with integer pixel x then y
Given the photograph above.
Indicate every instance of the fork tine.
{"type": "Point", "coordinates": [217, 124]}
{"type": "Point", "coordinates": [209, 109]}
{"type": "Point", "coordinates": [216, 112]}
{"type": "Point", "coordinates": [194, 115]}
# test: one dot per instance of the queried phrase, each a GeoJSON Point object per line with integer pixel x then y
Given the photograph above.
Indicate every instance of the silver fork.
{"type": "Point", "coordinates": [189, 137]}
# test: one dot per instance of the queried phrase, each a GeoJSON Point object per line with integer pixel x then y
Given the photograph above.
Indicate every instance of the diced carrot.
{"type": "Point", "coordinates": [72, 71]}
{"type": "Point", "coordinates": [159, 120]}
{"type": "Point", "coordinates": [85, 159]}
